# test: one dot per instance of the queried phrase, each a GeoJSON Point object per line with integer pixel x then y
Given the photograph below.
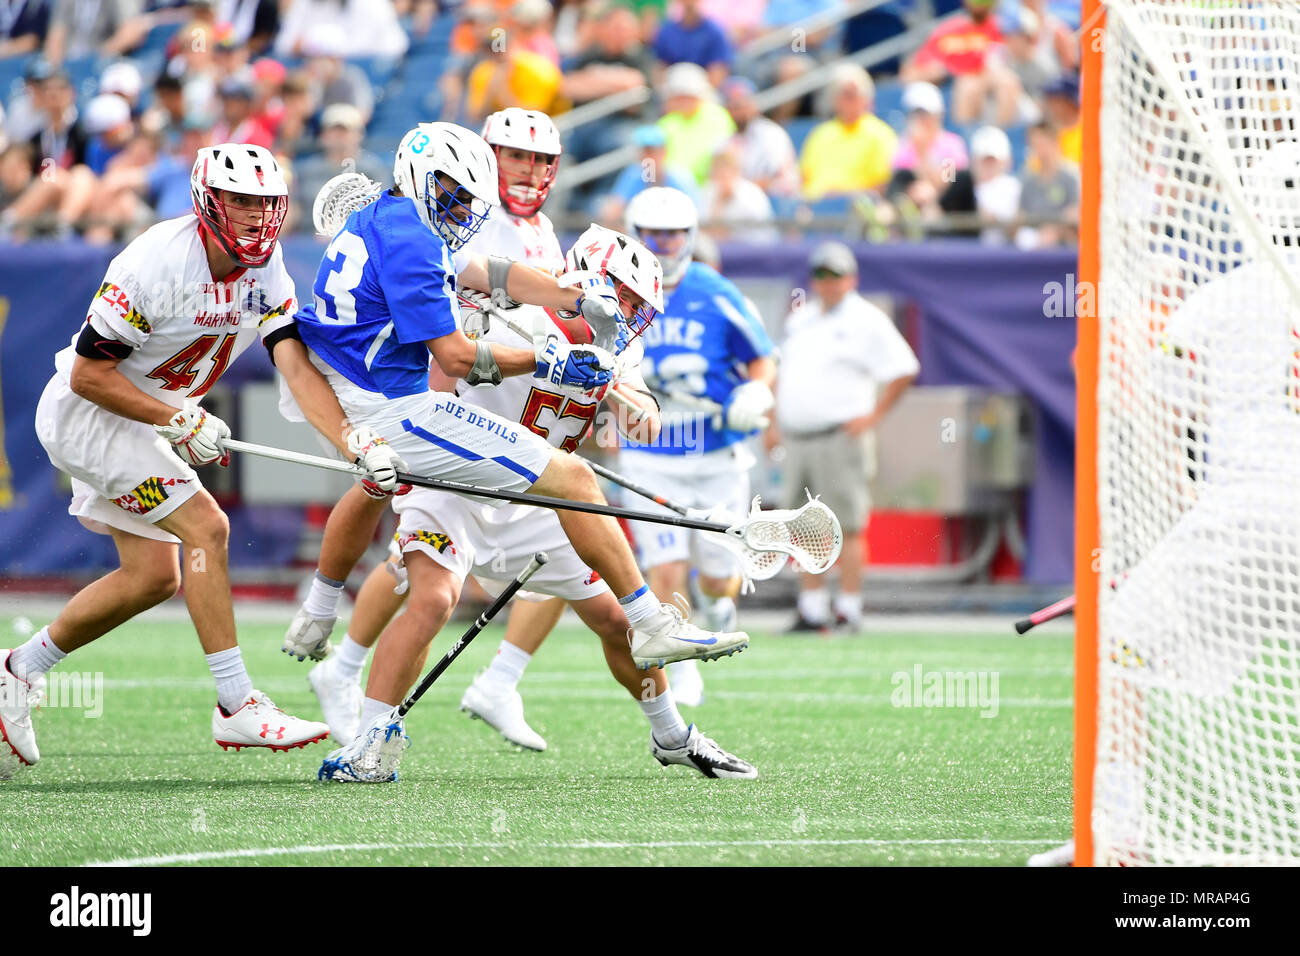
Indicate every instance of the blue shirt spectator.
{"type": "Point", "coordinates": [695, 39]}
{"type": "Point", "coordinates": [23, 25]}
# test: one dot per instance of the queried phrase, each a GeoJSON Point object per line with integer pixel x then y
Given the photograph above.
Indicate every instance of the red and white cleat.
{"type": "Point", "coordinates": [17, 736]}
{"type": "Point", "coordinates": [259, 723]}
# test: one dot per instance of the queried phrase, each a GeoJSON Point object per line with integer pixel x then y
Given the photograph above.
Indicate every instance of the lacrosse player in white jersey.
{"type": "Point", "coordinates": [494, 544]}
{"type": "Point", "coordinates": [121, 417]}
{"type": "Point", "coordinates": [709, 350]}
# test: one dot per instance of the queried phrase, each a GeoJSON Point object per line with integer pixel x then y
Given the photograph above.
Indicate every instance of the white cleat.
{"type": "Point", "coordinates": [309, 636]}
{"type": "Point", "coordinates": [705, 756]}
{"type": "Point", "coordinates": [1061, 856]}
{"type": "Point", "coordinates": [502, 710]}
{"type": "Point", "coordinates": [17, 735]}
{"type": "Point", "coordinates": [259, 723]}
{"type": "Point", "coordinates": [340, 700]}
{"type": "Point", "coordinates": [669, 637]}
{"type": "Point", "coordinates": [687, 684]}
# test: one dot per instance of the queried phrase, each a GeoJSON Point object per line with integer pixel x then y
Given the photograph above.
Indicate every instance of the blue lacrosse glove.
{"type": "Point", "coordinates": [581, 367]}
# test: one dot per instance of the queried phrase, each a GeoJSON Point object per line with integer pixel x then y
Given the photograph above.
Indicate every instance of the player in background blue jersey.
{"type": "Point", "coordinates": [384, 301]}
{"type": "Point", "coordinates": [711, 364]}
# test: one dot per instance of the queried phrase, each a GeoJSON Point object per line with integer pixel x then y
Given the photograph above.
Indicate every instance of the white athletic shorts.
{"type": "Point", "coordinates": [696, 481]}
{"type": "Point", "coordinates": [466, 537]}
{"type": "Point", "coordinates": [124, 474]}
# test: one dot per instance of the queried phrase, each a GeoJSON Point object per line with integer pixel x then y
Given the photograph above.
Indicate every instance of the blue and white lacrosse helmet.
{"type": "Point", "coordinates": [666, 220]}
{"type": "Point", "coordinates": [450, 173]}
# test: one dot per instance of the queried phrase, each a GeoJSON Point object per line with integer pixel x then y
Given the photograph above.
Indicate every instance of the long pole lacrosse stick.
{"type": "Point", "coordinates": [810, 534]}
{"type": "Point", "coordinates": [374, 755]}
{"type": "Point", "coordinates": [1050, 613]}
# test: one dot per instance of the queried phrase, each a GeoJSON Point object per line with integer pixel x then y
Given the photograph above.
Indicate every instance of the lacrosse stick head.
{"type": "Point", "coordinates": [371, 758]}
{"type": "Point", "coordinates": [339, 198]}
{"type": "Point", "coordinates": [811, 535]}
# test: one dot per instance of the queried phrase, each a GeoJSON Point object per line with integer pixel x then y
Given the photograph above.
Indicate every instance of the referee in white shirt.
{"type": "Point", "coordinates": [843, 366]}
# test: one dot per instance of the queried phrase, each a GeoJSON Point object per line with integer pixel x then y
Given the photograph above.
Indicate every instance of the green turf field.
{"type": "Point", "coordinates": [846, 777]}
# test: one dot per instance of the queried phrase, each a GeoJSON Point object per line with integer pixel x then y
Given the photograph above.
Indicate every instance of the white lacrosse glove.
{"type": "Point", "coordinates": [197, 436]}
{"type": "Point", "coordinates": [579, 368]}
{"type": "Point", "coordinates": [376, 456]}
{"type": "Point", "coordinates": [747, 408]}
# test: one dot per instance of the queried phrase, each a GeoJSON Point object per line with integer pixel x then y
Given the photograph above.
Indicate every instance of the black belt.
{"type": "Point", "coordinates": [818, 433]}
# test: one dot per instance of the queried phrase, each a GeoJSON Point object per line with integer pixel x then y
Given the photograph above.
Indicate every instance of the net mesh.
{"type": "Point", "coordinates": [1198, 733]}
{"type": "Point", "coordinates": [373, 756]}
{"type": "Point", "coordinates": [810, 534]}
{"type": "Point", "coordinates": [339, 198]}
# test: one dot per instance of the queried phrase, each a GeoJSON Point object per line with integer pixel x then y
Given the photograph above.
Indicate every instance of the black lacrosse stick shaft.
{"type": "Point", "coordinates": [632, 486]}
{"type": "Point", "coordinates": [558, 504]}
{"type": "Point", "coordinates": [480, 622]}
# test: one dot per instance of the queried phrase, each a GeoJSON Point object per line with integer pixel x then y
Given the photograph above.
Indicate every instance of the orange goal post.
{"type": "Point", "coordinates": [1187, 545]}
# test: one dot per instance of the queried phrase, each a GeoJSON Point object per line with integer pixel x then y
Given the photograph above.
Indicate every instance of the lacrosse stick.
{"type": "Point", "coordinates": [809, 534]}
{"type": "Point", "coordinates": [1049, 613]}
{"type": "Point", "coordinates": [339, 198]}
{"type": "Point", "coordinates": [374, 755]}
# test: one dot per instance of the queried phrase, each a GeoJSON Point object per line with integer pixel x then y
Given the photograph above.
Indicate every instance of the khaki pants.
{"type": "Point", "coordinates": [835, 466]}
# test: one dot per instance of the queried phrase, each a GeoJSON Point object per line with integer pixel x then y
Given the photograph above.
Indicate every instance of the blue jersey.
{"type": "Point", "coordinates": [384, 288]}
{"type": "Point", "coordinates": [699, 347]}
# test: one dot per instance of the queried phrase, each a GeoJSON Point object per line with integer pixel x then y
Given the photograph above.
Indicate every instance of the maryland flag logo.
{"type": "Point", "coordinates": [278, 311]}
{"type": "Point", "coordinates": [116, 298]}
{"type": "Point", "coordinates": [434, 539]}
{"type": "Point", "coordinates": [147, 495]}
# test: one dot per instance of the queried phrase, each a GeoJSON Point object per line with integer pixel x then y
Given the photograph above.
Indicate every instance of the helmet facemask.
{"type": "Point", "coordinates": [456, 214]}
{"type": "Point", "coordinates": [230, 223]}
{"type": "Point", "coordinates": [523, 190]}
{"type": "Point", "coordinates": [661, 243]}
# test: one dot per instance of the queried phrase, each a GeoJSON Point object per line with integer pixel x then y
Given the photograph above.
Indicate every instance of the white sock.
{"type": "Point", "coordinates": [508, 666]}
{"type": "Point", "coordinates": [233, 683]}
{"type": "Point", "coordinates": [665, 722]}
{"type": "Point", "coordinates": [815, 605]}
{"type": "Point", "coordinates": [640, 604]}
{"type": "Point", "coordinates": [849, 605]}
{"type": "Point", "coordinates": [36, 657]}
{"type": "Point", "coordinates": [350, 658]}
{"type": "Point", "coordinates": [323, 598]}
{"type": "Point", "coordinates": [719, 614]}
{"type": "Point", "coordinates": [370, 711]}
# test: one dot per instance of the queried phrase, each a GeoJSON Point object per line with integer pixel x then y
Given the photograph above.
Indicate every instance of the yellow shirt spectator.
{"type": "Point", "coordinates": [842, 158]}
{"type": "Point", "coordinates": [692, 140]}
{"type": "Point", "coordinates": [1071, 140]}
{"type": "Point", "coordinates": [533, 82]}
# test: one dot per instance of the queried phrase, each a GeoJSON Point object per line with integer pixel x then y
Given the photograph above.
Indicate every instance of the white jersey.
{"type": "Point", "coordinates": [524, 240]}
{"type": "Point", "coordinates": [185, 328]}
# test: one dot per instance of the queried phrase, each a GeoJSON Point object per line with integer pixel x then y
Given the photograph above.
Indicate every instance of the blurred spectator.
{"type": "Point", "coordinates": [1049, 190]}
{"type": "Point", "coordinates": [766, 151]}
{"type": "Point", "coordinates": [59, 141]}
{"type": "Point", "coordinates": [961, 48]}
{"type": "Point", "coordinates": [729, 201]}
{"type": "Point", "coordinates": [167, 111]}
{"type": "Point", "coordinates": [123, 79]}
{"type": "Point", "coordinates": [1061, 103]}
{"type": "Point", "coordinates": [988, 187]}
{"type": "Point", "coordinates": [108, 128]}
{"type": "Point", "coordinates": [253, 22]}
{"type": "Point", "coordinates": [98, 28]}
{"type": "Point", "coordinates": [741, 19]}
{"type": "Point", "coordinates": [268, 79]}
{"type": "Point", "coordinates": [333, 80]}
{"type": "Point", "coordinates": [1033, 62]}
{"type": "Point", "coordinates": [616, 61]}
{"type": "Point", "coordinates": [572, 23]}
{"type": "Point", "coordinates": [295, 133]}
{"type": "Point", "coordinates": [928, 156]}
{"type": "Point", "coordinates": [341, 132]}
{"type": "Point", "coordinates": [230, 55]}
{"type": "Point", "coordinates": [370, 26]}
{"type": "Point", "coordinates": [508, 75]}
{"type": "Point", "coordinates": [533, 22]}
{"type": "Point", "coordinates": [25, 116]}
{"type": "Point", "coordinates": [652, 169]}
{"type": "Point", "coordinates": [24, 25]}
{"type": "Point", "coordinates": [694, 38]}
{"type": "Point", "coordinates": [17, 161]}
{"type": "Point", "coordinates": [854, 151]}
{"type": "Point", "coordinates": [806, 51]}
{"type": "Point", "coordinates": [694, 124]}
{"type": "Point", "coordinates": [237, 124]}
{"type": "Point", "coordinates": [471, 43]}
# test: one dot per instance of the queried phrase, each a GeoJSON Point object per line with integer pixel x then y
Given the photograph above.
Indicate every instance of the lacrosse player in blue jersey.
{"type": "Point", "coordinates": [711, 364]}
{"type": "Point", "coordinates": [385, 299]}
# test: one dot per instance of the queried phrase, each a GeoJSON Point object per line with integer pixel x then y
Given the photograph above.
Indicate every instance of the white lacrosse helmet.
{"type": "Point", "coordinates": [247, 169]}
{"type": "Point", "coordinates": [664, 209]}
{"type": "Point", "coordinates": [633, 270]}
{"type": "Point", "coordinates": [533, 132]}
{"type": "Point", "coordinates": [454, 212]}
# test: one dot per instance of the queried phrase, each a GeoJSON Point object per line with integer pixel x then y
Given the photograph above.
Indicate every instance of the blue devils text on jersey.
{"type": "Point", "coordinates": [699, 347]}
{"type": "Point", "coordinates": [386, 286]}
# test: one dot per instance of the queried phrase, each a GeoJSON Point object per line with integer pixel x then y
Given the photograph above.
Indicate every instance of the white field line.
{"type": "Point", "coordinates": [257, 852]}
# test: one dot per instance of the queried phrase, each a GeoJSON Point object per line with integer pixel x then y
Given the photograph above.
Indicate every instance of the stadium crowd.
{"type": "Point", "coordinates": [976, 132]}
